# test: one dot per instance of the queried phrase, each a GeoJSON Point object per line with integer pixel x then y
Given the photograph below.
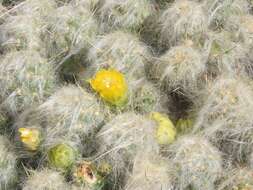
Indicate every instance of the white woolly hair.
{"type": "Point", "coordinates": [221, 11]}
{"type": "Point", "coordinates": [45, 179]}
{"type": "Point", "coordinates": [226, 115]}
{"type": "Point", "coordinates": [26, 24]}
{"type": "Point", "coordinates": [145, 97]}
{"type": "Point", "coordinates": [72, 28]}
{"type": "Point", "coordinates": [121, 51]}
{"type": "Point", "coordinates": [183, 19]}
{"type": "Point", "coordinates": [237, 179]}
{"type": "Point", "coordinates": [90, 4]}
{"type": "Point", "coordinates": [227, 56]}
{"type": "Point", "coordinates": [241, 27]}
{"type": "Point", "coordinates": [69, 115]}
{"type": "Point", "coordinates": [8, 165]}
{"type": "Point", "coordinates": [26, 80]}
{"type": "Point", "coordinates": [150, 171]}
{"type": "Point", "coordinates": [121, 139]}
{"type": "Point", "coordinates": [198, 163]}
{"type": "Point", "coordinates": [181, 67]}
{"type": "Point", "coordinates": [126, 14]}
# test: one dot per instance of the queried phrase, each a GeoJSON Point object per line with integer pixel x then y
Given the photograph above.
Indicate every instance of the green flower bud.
{"type": "Point", "coordinates": [62, 156]}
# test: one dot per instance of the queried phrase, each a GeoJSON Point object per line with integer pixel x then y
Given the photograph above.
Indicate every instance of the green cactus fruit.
{"type": "Point", "coordinates": [62, 156]}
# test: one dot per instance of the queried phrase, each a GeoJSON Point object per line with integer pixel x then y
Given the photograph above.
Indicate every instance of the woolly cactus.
{"type": "Point", "coordinates": [198, 163]}
{"type": "Point", "coordinates": [241, 27]}
{"type": "Point", "coordinates": [221, 11]}
{"type": "Point", "coordinates": [145, 97]}
{"type": "Point", "coordinates": [68, 116]}
{"type": "Point", "coordinates": [26, 80]}
{"type": "Point", "coordinates": [120, 140]}
{"type": "Point", "coordinates": [45, 179]}
{"type": "Point", "coordinates": [121, 51]}
{"type": "Point", "coordinates": [126, 14]}
{"type": "Point", "coordinates": [238, 179]}
{"type": "Point", "coordinates": [150, 172]}
{"type": "Point", "coordinates": [228, 56]}
{"type": "Point", "coordinates": [180, 68]}
{"type": "Point", "coordinates": [225, 116]}
{"type": "Point", "coordinates": [8, 165]}
{"type": "Point", "coordinates": [72, 28]}
{"type": "Point", "coordinates": [183, 19]}
{"type": "Point", "coordinates": [25, 27]}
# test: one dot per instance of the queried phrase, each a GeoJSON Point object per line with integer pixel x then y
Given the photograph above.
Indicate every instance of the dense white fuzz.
{"type": "Point", "coordinates": [180, 68]}
{"type": "Point", "coordinates": [8, 165]}
{"type": "Point", "coordinates": [69, 115]}
{"type": "Point", "coordinates": [26, 26]}
{"type": "Point", "coordinates": [241, 27]}
{"type": "Point", "coordinates": [121, 51]}
{"type": "Point", "coordinates": [197, 162]}
{"type": "Point", "coordinates": [220, 12]}
{"type": "Point", "coordinates": [237, 179]}
{"type": "Point", "coordinates": [227, 56]}
{"type": "Point", "coordinates": [150, 172]}
{"type": "Point", "coordinates": [127, 14]}
{"type": "Point", "coordinates": [122, 138]}
{"type": "Point", "coordinates": [183, 19]}
{"type": "Point", "coordinates": [26, 79]}
{"type": "Point", "coordinates": [45, 180]}
{"type": "Point", "coordinates": [226, 115]}
{"type": "Point", "coordinates": [72, 28]}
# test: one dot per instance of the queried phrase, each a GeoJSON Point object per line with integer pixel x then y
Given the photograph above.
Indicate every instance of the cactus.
{"type": "Point", "coordinates": [172, 69]}
{"type": "Point", "coordinates": [70, 115]}
{"type": "Point", "coordinates": [118, 50]}
{"type": "Point", "coordinates": [217, 120]}
{"type": "Point", "coordinates": [150, 172]}
{"type": "Point", "coordinates": [27, 79]}
{"type": "Point", "coordinates": [145, 97]}
{"type": "Point", "coordinates": [226, 56]}
{"type": "Point", "coordinates": [25, 27]}
{"type": "Point", "coordinates": [220, 12]}
{"type": "Point", "coordinates": [45, 179]}
{"type": "Point", "coordinates": [197, 162]}
{"type": "Point", "coordinates": [124, 14]}
{"type": "Point", "coordinates": [72, 29]}
{"type": "Point", "coordinates": [120, 140]}
{"type": "Point", "coordinates": [182, 20]}
{"type": "Point", "coordinates": [238, 179]}
{"type": "Point", "coordinates": [241, 28]}
{"type": "Point", "coordinates": [8, 165]}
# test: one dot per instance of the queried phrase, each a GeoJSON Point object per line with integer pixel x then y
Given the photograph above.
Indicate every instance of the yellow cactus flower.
{"type": "Point", "coordinates": [166, 132]}
{"type": "Point", "coordinates": [111, 86]}
{"type": "Point", "coordinates": [30, 138]}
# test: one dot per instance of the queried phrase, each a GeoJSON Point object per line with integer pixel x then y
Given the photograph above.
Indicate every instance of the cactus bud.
{"type": "Point", "coordinates": [62, 156]}
{"type": "Point", "coordinates": [30, 138]}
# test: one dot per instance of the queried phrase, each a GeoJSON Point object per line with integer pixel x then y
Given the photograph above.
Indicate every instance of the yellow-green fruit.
{"type": "Point", "coordinates": [62, 156]}
{"type": "Point", "coordinates": [184, 125]}
{"type": "Point", "coordinates": [165, 132]}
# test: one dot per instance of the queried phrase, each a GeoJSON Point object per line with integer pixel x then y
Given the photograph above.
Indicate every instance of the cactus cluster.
{"type": "Point", "coordinates": [126, 94]}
